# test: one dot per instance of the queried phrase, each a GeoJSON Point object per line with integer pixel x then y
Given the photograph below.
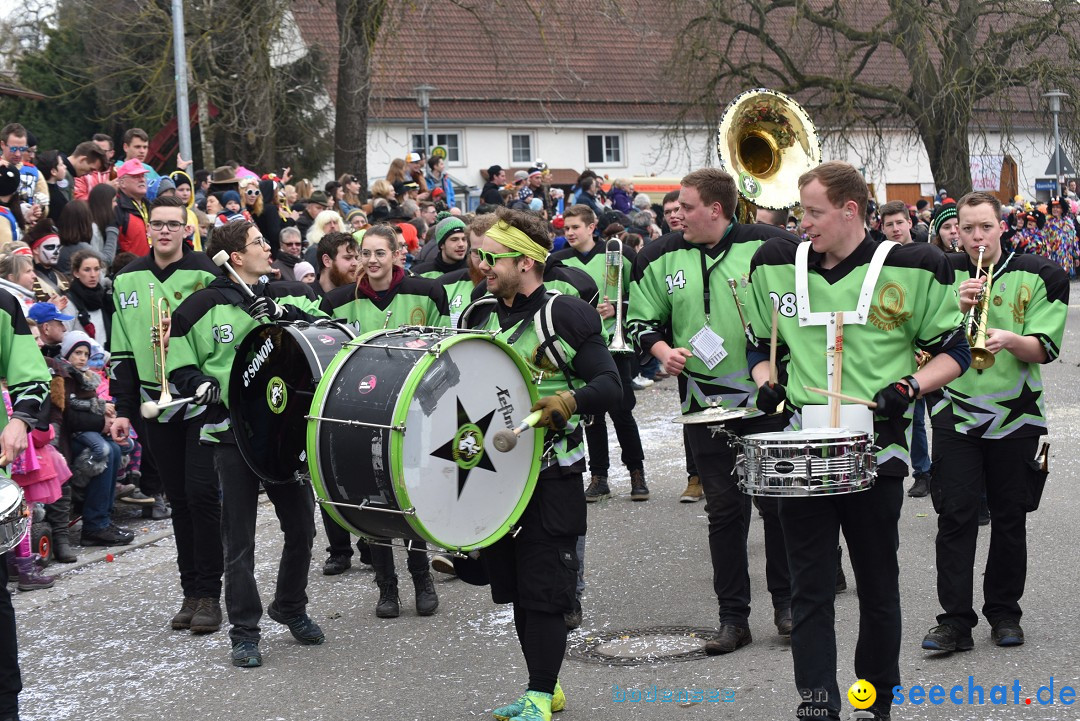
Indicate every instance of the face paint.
{"type": "Point", "coordinates": [50, 253]}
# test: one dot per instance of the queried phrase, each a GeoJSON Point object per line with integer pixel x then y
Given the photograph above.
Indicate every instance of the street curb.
{"type": "Point", "coordinates": [100, 552]}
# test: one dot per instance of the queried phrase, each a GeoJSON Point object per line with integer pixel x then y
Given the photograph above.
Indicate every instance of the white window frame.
{"type": "Point", "coordinates": [531, 134]}
{"type": "Point", "coordinates": [621, 163]}
{"type": "Point", "coordinates": [435, 133]}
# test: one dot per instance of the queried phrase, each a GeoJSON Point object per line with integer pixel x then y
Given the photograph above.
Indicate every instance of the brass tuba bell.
{"type": "Point", "coordinates": [766, 141]}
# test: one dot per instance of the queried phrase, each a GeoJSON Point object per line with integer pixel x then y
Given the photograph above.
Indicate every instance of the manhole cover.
{"type": "Point", "coordinates": [638, 646]}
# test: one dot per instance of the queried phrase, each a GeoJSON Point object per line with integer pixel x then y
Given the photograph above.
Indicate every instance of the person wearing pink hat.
{"type": "Point", "coordinates": [131, 213]}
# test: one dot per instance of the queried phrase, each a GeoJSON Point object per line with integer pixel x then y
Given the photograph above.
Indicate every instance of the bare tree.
{"type": "Point", "coordinates": [938, 69]}
{"type": "Point", "coordinates": [358, 23]}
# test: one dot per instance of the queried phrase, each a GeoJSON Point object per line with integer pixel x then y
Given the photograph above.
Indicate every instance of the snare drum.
{"type": "Point", "coordinates": [14, 517]}
{"type": "Point", "coordinates": [274, 376]}
{"type": "Point", "coordinates": [401, 431]}
{"type": "Point", "coordinates": [810, 462]}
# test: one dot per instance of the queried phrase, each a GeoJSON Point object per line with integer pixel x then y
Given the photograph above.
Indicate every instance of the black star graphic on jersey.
{"type": "Point", "coordinates": [1023, 404]}
{"type": "Point", "coordinates": [446, 451]}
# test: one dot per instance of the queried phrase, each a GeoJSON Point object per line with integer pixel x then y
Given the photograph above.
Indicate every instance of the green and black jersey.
{"type": "Point", "coordinates": [913, 306]}
{"type": "Point", "coordinates": [133, 370]}
{"type": "Point", "coordinates": [558, 277]}
{"type": "Point", "coordinates": [21, 364]}
{"type": "Point", "coordinates": [437, 267]}
{"type": "Point", "coordinates": [458, 287]}
{"type": "Point", "coordinates": [1030, 297]}
{"type": "Point", "coordinates": [595, 264]}
{"type": "Point", "coordinates": [206, 330]}
{"type": "Point", "coordinates": [684, 287]}
{"type": "Point", "coordinates": [411, 300]}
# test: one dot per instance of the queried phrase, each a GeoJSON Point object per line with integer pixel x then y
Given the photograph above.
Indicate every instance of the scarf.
{"type": "Point", "coordinates": [87, 300]}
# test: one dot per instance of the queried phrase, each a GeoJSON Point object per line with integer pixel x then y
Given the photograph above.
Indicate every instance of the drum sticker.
{"type": "Point", "coordinates": [277, 395]}
{"type": "Point", "coordinates": [367, 384]}
{"type": "Point", "coordinates": [443, 375]}
{"type": "Point", "coordinates": [416, 343]}
{"type": "Point", "coordinates": [466, 447]}
{"type": "Point", "coordinates": [749, 185]}
{"type": "Point", "coordinates": [326, 339]}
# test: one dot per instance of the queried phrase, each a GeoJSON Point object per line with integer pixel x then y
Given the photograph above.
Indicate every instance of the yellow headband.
{"type": "Point", "coordinates": [515, 239]}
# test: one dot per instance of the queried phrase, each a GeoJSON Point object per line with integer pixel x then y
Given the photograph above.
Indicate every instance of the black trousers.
{"type": "Point", "coordinates": [729, 512]}
{"type": "Point", "coordinates": [340, 541]}
{"type": "Point", "coordinates": [869, 522]}
{"type": "Point", "coordinates": [191, 483]}
{"type": "Point", "coordinates": [294, 504]}
{"type": "Point", "coordinates": [152, 482]}
{"type": "Point", "coordinates": [382, 560]}
{"type": "Point", "coordinates": [626, 428]}
{"type": "Point", "coordinates": [961, 464]}
{"type": "Point", "coordinates": [691, 468]}
{"type": "Point", "coordinates": [10, 679]}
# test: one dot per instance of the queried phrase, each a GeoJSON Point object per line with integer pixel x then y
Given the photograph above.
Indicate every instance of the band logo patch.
{"type": "Point", "coordinates": [468, 446]}
{"type": "Point", "coordinates": [417, 317]}
{"type": "Point", "coordinates": [888, 313]}
{"type": "Point", "coordinates": [1019, 308]}
{"type": "Point", "coordinates": [326, 339]}
{"type": "Point", "coordinates": [367, 384]}
{"type": "Point", "coordinates": [277, 395]}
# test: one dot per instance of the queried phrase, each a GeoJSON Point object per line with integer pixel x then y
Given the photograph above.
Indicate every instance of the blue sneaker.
{"type": "Point", "coordinates": [245, 654]}
{"type": "Point", "coordinates": [302, 627]}
{"type": "Point", "coordinates": [510, 711]}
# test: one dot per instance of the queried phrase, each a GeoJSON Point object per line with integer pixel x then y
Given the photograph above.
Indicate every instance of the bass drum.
{"type": "Point", "coordinates": [274, 376]}
{"type": "Point", "coordinates": [401, 437]}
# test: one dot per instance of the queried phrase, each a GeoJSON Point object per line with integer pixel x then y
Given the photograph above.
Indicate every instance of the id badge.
{"type": "Point", "coordinates": [708, 347]}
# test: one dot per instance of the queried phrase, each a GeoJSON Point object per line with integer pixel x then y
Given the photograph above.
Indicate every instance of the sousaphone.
{"type": "Point", "coordinates": [766, 141]}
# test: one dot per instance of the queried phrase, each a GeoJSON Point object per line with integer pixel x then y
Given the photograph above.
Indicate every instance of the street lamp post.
{"type": "Point", "coordinates": [1055, 96]}
{"type": "Point", "coordinates": [423, 99]}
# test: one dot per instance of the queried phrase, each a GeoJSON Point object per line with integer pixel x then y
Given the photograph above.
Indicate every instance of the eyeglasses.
{"type": "Point", "coordinates": [252, 192]}
{"type": "Point", "coordinates": [490, 258]}
{"type": "Point", "coordinates": [380, 254]}
{"type": "Point", "coordinates": [18, 148]}
{"type": "Point", "coordinates": [172, 225]}
{"type": "Point", "coordinates": [258, 241]}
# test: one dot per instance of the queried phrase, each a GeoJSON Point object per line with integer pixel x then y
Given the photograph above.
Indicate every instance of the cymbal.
{"type": "Point", "coordinates": [716, 416]}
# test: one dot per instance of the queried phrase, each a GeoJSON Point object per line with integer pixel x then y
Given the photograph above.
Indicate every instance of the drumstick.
{"type": "Point", "coordinates": [842, 397]}
{"type": "Point", "coordinates": [838, 369]}
{"type": "Point", "coordinates": [505, 440]}
{"type": "Point", "coordinates": [772, 348]}
{"type": "Point", "coordinates": [221, 259]}
{"type": "Point", "coordinates": [152, 409]}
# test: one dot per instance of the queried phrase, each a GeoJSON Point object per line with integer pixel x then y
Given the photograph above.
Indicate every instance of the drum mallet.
{"type": "Point", "coordinates": [505, 440]}
{"type": "Point", "coordinates": [221, 259]}
{"type": "Point", "coordinates": [152, 409]}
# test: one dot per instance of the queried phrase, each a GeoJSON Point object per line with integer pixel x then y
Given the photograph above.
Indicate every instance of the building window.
{"type": "Point", "coordinates": [521, 148]}
{"type": "Point", "coordinates": [604, 149]}
{"type": "Point", "coordinates": [451, 140]}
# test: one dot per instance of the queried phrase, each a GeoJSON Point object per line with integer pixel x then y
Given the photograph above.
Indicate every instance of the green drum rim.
{"type": "Point", "coordinates": [397, 442]}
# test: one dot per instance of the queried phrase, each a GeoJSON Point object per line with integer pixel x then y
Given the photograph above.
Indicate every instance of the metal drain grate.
{"type": "Point", "coordinates": [640, 646]}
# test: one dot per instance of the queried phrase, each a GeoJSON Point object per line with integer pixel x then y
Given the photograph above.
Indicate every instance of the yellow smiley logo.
{"type": "Point", "coordinates": [862, 694]}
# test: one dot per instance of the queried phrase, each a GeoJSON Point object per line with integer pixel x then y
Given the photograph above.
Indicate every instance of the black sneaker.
{"type": "Point", "coordinates": [245, 654]}
{"type": "Point", "coordinates": [427, 601]}
{"type": "Point", "coordinates": [1007, 632]}
{"type": "Point", "coordinates": [638, 490]}
{"type": "Point", "coordinates": [573, 618]}
{"type": "Point", "coordinates": [108, 536]}
{"type": "Point", "coordinates": [729, 639]}
{"type": "Point", "coordinates": [947, 637]}
{"type": "Point", "coordinates": [336, 565]}
{"type": "Point", "coordinates": [301, 627]}
{"type": "Point", "coordinates": [598, 490]}
{"type": "Point", "coordinates": [921, 487]}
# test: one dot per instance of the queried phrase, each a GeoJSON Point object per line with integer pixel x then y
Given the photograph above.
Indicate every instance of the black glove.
{"type": "Point", "coordinates": [892, 400]}
{"type": "Point", "coordinates": [208, 392]}
{"type": "Point", "coordinates": [265, 308]}
{"type": "Point", "coordinates": [769, 397]}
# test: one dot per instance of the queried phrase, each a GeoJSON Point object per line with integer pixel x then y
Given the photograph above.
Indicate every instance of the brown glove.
{"type": "Point", "coordinates": [555, 410]}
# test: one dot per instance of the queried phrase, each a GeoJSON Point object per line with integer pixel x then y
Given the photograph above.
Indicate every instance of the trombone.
{"type": "Point", "coordinates": [613, 273]}
{"type": "Point", "coordinates": [981, 359]}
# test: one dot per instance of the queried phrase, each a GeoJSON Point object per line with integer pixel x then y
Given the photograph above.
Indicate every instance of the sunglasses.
{"type": "Point", "coordinates": [491, 258]}
{"type": "Point", "coordinates": [18, 148]}
{"type": "Point", "coordinates": [252, 192]}
{"type": "Point", "coordinates": [289, 245]}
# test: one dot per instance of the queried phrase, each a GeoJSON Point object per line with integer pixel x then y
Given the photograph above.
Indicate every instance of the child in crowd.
{"type": "Point", "coordinates": [233, 210]}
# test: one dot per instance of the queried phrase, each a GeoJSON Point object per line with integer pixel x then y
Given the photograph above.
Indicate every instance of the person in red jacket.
{"type": "Point", "coordinates": [131, 212]}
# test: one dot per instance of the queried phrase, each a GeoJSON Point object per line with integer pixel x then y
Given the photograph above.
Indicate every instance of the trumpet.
{"type": "Point", "coordinates": [981, 359]}
{"type": "Point", "coordinates": [159, 311]}
{"type": "Point", "coordinates": [613, 272]}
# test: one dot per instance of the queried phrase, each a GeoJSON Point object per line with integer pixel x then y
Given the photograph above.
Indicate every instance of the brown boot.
{"type": "Point", "coordinates": [182, 620]}
{"type": "Point", "coordinates": [207, 617]}
{"type": "Point", "coordinates": [694, 492]}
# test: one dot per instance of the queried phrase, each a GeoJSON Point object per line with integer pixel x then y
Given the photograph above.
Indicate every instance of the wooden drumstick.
{"type": "Point", "coordinates": [841, 397]}
{"type": "Point", "coordinates": [838, 370]}
{"type": "Point", "coordinates": [772, 347]}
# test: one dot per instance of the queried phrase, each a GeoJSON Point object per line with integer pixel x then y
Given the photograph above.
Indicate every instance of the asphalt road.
{"type": "Point", "coordinates": [98, 646]}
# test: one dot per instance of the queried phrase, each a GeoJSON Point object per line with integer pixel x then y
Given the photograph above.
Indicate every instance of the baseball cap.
{"type": "Point", "coordinates": [520, 175]}
{"type": "Point", "coordinates": [44, 312]}
{"type": "Point", "coordinates": [413, 158]}
{"type": "Point", "coordinates": [131, 167]}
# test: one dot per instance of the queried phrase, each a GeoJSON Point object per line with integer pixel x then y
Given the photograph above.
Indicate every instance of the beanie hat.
{"type": "Point", "coordinates": [230, 196]}
{"type": "Point", "coordinates": [72, 340]}
{"type": "Point", "coordinates": [302, 268]}
{"type": "Point", "coordinates": [945, 212]}
{"type": "Point", "coordinates": [448, 227]}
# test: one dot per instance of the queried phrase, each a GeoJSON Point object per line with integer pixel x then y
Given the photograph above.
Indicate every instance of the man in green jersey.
{"type": "Point", "coordinates": [592, 258]}
{"type": "Point", "coordinates": [987, 426]}
{"type": "Point", "coordinates": [535, 569]}
{"type": "Point", "coordinates": [681, 286]}
{"type": "Point", "coordinates": [895, 298]}
{"type": "Point", "coordinates": [186, 466]}
{"type": "Point", "coordinates": [205, 331]}
{"type": "Point", "coordinates": [452, 244]}
{"type": "Point", "coordinates": [384, 297]}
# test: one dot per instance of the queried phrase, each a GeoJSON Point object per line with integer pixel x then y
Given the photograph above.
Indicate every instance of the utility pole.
{"type": "Point", "coordinates": [183, 107]}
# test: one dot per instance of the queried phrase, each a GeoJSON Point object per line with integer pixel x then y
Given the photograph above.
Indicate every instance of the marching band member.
{"type": "Point", "coordinates": [681, 281]}
{"type": "Point", "coordinates": [385, 297]}
{"type": "Point", "coordinates": [987, 426]}
{"type": "Point", "coordinates": [894, 299]}
{"type": "Point", "coordinates": [186, 466]}
{"type": "Point", "coordinates": [205, 330]}
{"type": "Point", "coordinates": [536, 569]}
